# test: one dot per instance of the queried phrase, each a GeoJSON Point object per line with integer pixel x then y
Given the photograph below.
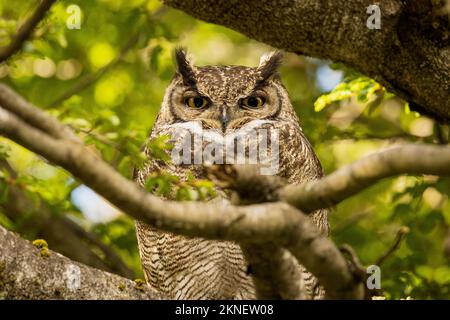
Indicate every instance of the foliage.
{"type": "Point", "coordinates": [107, 81]}
{"type": "Point", "coordinates": [363, 88]}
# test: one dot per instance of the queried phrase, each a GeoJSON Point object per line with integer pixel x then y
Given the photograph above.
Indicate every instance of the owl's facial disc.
{"type": "Point", "coordinates": [225, 97]}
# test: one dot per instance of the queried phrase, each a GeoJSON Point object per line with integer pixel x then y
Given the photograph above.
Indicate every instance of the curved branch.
{"type": "Point", "coordinates": [25, 30]}
{"type": "Point", "coordinates": [350, 179]}
{"type": "Point", "coordinates": [26, 274]}
{"type": "Point", "coordinates": [339, 185]}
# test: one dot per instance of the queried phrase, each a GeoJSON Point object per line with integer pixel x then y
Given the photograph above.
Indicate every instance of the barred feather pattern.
{"type": "Point", "coordinates": [196, 268]}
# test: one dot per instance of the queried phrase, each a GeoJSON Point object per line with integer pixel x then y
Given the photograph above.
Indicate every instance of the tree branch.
{"type": "Point", "coordinates": [349, 180]}
{"type": "Point", "coordinates": [252, 224]}
{"type": "Point", "coordinates": [25, 30]}
{"type": "Point", "coordinates": [274, 271]}
{"type": "Point", "coordinates": [34, 116]}
{"type": "Point", "coordinates": [26, 274]}
{"type": "Point", "coordinates": [409, 58]}
{"type": "Point", "coordinates": [412, 159]}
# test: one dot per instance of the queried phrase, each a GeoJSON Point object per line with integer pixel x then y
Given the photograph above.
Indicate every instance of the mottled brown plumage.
{"type": "Point", "coordinates": [187, 268]}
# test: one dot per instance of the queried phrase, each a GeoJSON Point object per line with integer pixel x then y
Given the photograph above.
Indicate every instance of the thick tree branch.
{"type": "Point", "coordinates": [411, 59]}
{"type": "Point", "coordinates": [274, 270]}
{"type": "Point", "coordinates": [25, 30]}
{"type": "Point", "coordinates": [26, 274]}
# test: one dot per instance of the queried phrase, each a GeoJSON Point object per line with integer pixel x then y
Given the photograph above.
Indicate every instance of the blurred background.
{"type": "Point", "coordinates": [107, 79]}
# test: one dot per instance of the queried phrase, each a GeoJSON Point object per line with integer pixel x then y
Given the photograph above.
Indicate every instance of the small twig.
{"type": "Point", "coordinates": [395, 245]}
{"type": "Point", "coordinates": [25, 30]}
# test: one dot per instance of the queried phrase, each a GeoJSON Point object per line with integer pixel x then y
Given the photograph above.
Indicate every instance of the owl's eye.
{"type": "Point", "coordinates": [196, 102]}
{"type": "Point", "coordinates": [253, 102]}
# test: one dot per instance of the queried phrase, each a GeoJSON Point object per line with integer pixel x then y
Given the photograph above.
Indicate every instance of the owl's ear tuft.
{"type": "Point", "coordinates": [184, 67]}
{"type": "Point", "coordinates": [268, 64]}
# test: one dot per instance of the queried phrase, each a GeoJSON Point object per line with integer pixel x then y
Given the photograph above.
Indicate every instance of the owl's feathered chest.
{"type": "Point", "coordinates": [199, 268]}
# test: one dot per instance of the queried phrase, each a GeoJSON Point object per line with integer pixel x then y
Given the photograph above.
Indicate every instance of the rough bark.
{"type": "Point", "coordinates": [410, 54]}
{"type": "Point", "coordinates": [26, 274]}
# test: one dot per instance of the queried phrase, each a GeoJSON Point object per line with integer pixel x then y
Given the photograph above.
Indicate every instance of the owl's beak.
{"type": "Point", "coordinates": [224, 119]}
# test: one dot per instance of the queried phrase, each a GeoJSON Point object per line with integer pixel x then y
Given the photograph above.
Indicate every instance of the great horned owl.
{"type": "Point", "coordinates": [222, 100]}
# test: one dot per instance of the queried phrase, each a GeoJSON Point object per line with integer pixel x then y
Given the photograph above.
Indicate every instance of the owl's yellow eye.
{"type": "Point", "coordinates": [196, 102]}
{"type": "Point", "coordinates": [253, 102]}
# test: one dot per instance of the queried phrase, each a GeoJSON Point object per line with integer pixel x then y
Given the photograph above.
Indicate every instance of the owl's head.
{"type": "Point", "coordinates": [225, 97]}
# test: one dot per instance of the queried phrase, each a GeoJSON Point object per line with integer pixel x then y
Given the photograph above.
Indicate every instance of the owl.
{"type": "Point", "coordinates": [216, 103]}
